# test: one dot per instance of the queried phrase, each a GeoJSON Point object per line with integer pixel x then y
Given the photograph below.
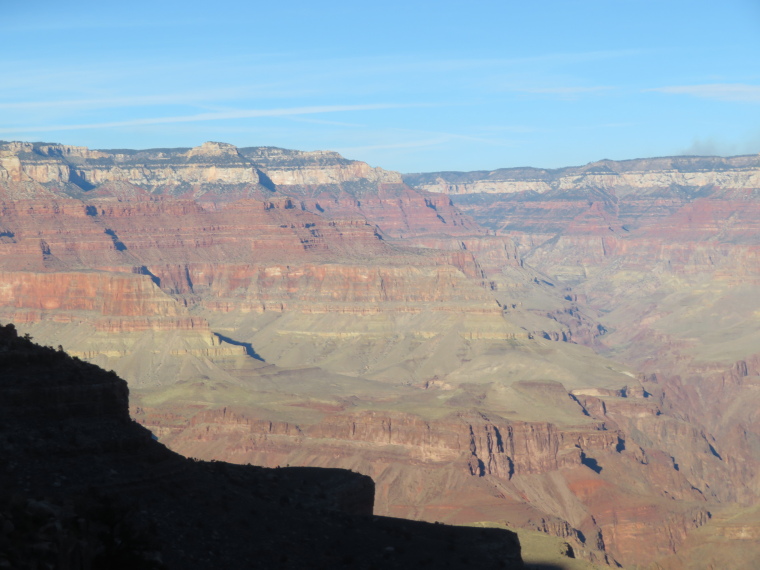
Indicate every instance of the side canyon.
{"type": "Point", "coordinates": [572, 353]}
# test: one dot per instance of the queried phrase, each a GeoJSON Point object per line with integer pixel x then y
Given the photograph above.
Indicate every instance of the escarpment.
{"type": "Point", "coordinates": [84, 484]}
{"type": "Point", "coordinates": [466, 468]}
{"type": "Point", "coordinates": [620, 177]}
{"type": "Point", "coordinates": [662, 253]}
{"type": "Point", "coordinates": [571, 352]}
{"type": "Point", "coordinates": [214, 174]}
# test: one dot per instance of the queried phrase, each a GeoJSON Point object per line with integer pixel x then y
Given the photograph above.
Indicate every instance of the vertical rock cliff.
{"type": "Point", "coordinates": [85, 486]}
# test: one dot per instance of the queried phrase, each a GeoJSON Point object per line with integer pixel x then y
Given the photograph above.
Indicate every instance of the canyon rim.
{"type": "Point", "coordinates": [570, 352]}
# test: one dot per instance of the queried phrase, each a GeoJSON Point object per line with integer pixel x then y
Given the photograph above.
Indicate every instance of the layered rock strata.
{"type": "Point", "coordinates": [663, 254]}
{"type": "Point", "coordinates": [469, 468]}
{"type": "Point", "coordinates": [83, 484]}
{"type": "Point", "coordinates": [219, 173]}
{"type": "Point", "coordinates": [620, 177]}
{"type": "Point", "coordinates": [279, 307]}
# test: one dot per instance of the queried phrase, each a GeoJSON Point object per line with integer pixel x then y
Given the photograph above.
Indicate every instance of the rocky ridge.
{"type": "Point", "coordinates": [219, 173]}
{"type": "Point", "coordinates": [278, 307]}
{"type": "Point", "coordinates": [663, 254]}
{"type": "Point", "coordinates": [85, 486]}
{"type": "Point", "coordinates": [621, 177]}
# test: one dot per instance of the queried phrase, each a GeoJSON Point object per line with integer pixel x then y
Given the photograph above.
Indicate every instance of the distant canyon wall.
{"type": "Point", "coordinates": [279, 306]}
{"type": "Point", "coordinates": [618, 176]}
{"type": "Point", "coordinates": [215, 174]}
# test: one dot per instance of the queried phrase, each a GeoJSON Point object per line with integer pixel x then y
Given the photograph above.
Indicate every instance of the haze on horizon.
{"type": "Point", "coordinates": [413, 88]}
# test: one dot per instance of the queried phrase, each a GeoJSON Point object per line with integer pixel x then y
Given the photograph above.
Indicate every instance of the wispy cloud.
{"type": "Point", "coordinates": [324, 122]}
{"type": "Point", "coordinates": [408, 144]}
{"type": "Point", "coordinates": [412, 63]}
{"type": "Point", "coordinates": [456, 136]}
{"type": "Point", "coordinates": [137, 101]}
{"type": "Point", "coordinates": [75, 24]}
{"type": "Point", "coordinates": [237, 114]}
{"type": "Point", "coordinates": [734, 92]}
{"type": "Point", "coordinates": [198, 97]}
{"type": "Point", "coordinates": [563, 90]}
{"type": "Point", "coordinates": [432, 138]}
{"type": "Point", "coordinates": [519, 129]}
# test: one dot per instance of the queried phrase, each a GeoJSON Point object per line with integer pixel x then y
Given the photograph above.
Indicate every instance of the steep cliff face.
{"type": "Point", "coordinates": [168, 169]}
{"type": "Point", "coordinates": [468, 468]}
{"type": "Point", "coordinates": [107, 294]}
{"type": "Point", "coordinates": [218, 173]}
{"type": "Point", "coordinates": [161, 269]}
{"type": "Point", "coordinates": [663, 252]}
{"type": "Point", "coordinates": [619, 177]}
{"type": "Point", "coordinates": [165, 266]}
{"type": "Point", "coordinates": [315, 168]}
{"type": "Point", "coordinates": [285, 307]}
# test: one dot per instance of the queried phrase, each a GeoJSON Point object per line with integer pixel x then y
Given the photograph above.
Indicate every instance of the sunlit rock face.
{"type": "Point", "coordinates": [623, 177]}
{"type": "Point", "coordinates": [218, 173]}
{"type": "Point", "coordinates": [573, 354]}
{"type": "Point", "coordinates": [664, 252]}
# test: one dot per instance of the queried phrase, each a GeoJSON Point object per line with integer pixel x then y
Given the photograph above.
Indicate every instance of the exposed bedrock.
{"type": "Point", "coordinates": [621, 176]}
{"type": "Point", "coordinates": [469, 468]}
{"type": "Point", "coordinates": [215, 174]}
{"type": "Point", "coordinates": [343, 318]}
{"type": "Point", "coordinates": [83, 484]}
{"type": "Point", "coordinates": [664, 254]}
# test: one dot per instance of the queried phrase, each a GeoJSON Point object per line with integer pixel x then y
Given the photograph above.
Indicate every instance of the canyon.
{"type": "Point", "coordinates": [86, 487]}
{"type": "Point", "coordinates": [572, 353]}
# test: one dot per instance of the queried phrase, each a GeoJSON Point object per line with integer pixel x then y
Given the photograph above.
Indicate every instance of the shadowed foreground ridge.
{"type": "Point", "coordinates": [83, 486]}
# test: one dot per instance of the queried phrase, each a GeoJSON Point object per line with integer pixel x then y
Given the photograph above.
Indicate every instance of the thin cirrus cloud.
{"type": "Point", "coordinates": [218, 116]}
{"type": "Point", "coordinates": [424, 143]}
{"type": "Point", "coordinates": [135, 101]}
{"type": "Point", "coordinates": [733, 92]}
{"type": "Point", "coordinates": [434, 138]}
{"type": "Point", "coordinates": [373, 66]}
{"type": "Point", "coordinates": [563, 90]}
{"type": "Point", "coordinates": [199, 97]}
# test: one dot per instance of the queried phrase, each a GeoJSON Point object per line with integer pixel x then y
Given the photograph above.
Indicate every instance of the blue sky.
{"type": "Point", "coordinates": [409, 86]}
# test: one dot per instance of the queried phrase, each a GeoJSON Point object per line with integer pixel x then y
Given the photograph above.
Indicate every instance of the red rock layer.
{"type": "Point", "coordinates": [158, 234]}
{"type": "Point", "coordinates": [107, 294]}
{"type": "Point", "coordinates": [495, 464]}
{"type": "Point", "coordinates": [671, 271]}
{"type": "Point", "coordinates": [215, 174]}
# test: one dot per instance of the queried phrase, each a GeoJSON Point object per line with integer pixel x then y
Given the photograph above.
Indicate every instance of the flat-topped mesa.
{"type": "Point", "coordinates": [620, 177]}
{"type": "Point", "coordinates": [66, 151]}
{"type": "Point", "coordinates": [41, 162]}
{"type": "Point", "coordinates": [211, 162]}
{"type": "Point", "coordinates": [78, 170]}
{"type": "Point", "coordinates": [312, 168]}
{"type": "Point", "coordinates": [211, 148]}
{"type": "Point", "coordinates": [215, 174]}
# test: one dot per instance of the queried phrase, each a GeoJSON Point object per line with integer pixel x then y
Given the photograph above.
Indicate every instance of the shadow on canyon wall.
{"type": "Point", "coordinates": [84, 486]}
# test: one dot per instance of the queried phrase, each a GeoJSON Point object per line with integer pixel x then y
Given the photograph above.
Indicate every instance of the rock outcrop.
{"type": "Point", "coordinates": [468, 468]}
{"type": "Point", "coordinates": [581, 361]}
{"type": "Point", "coordinates": [85, 486]}
{"type": "Point", "coordinates": [214, 174]}
{"type": "Point", "coordinates": [663, 254]}
{"type": "Point", "coordinates": [619, 177]}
